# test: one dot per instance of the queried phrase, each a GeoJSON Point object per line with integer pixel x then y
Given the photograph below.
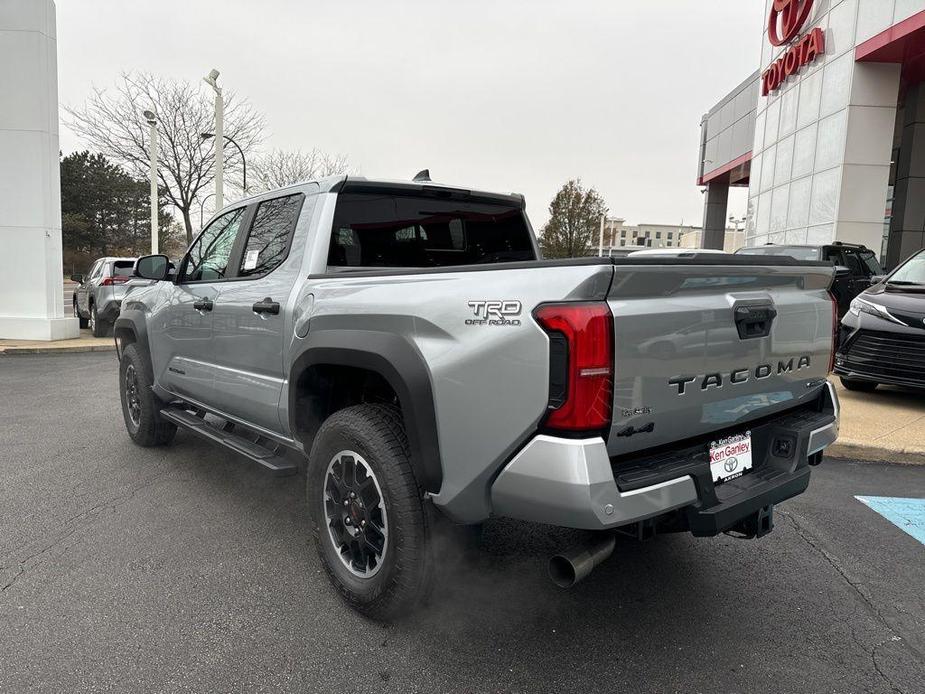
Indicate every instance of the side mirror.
{"type": "Point", "coordinates": [152, 267]}
{"type": "Point", "coordinates": [876, 279]}
{"type": "Point", "coordinates": [77, 277]}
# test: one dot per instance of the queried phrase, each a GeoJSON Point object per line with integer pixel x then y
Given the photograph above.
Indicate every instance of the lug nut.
{"type": "Point", "coordinates": [347, 520]}
{"type": "Point", "coordinates": [346, 502]}
{"type": "Point", "coordinates": [362, 523]}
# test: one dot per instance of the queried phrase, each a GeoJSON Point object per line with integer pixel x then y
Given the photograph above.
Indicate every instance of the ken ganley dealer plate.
{"type": "Point", "coordinates": [731, 456]}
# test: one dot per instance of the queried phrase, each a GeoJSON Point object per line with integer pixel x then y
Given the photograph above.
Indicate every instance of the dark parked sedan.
{"type": "Point", "coordinates": [882, 337]}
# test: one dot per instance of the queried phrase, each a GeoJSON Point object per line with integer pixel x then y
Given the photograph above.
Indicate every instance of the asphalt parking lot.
{"type": "Point", "coordinates": [184, 569]}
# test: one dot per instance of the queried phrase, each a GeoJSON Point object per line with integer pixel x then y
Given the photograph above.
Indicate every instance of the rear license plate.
{"type": "Point", "coordinates": [731, 457]}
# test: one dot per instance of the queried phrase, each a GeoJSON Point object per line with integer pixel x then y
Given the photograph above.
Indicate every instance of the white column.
{"type": "Point", "coordinates": [31, 273]}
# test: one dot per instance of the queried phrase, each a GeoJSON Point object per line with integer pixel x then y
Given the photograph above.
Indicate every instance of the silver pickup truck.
{"type": "Point", "coordinates": [407, 339]}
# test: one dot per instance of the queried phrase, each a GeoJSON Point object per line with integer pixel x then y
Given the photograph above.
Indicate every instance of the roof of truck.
{"type": "Point", "coordinates": [344, 183]}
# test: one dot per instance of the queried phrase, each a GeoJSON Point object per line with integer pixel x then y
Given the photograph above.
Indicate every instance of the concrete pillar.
{"type": "Point", "coordinates": [715, 205]}
{"type": "Point", "coordinates": [31, 274]}
{"type": "Point", "coordinates": [907, 228]}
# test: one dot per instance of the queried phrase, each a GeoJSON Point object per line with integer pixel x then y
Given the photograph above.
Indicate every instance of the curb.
{"type": "Point", "coordinates": [57, 350]}
{"type": "Point", "coordinates": [856, 450]}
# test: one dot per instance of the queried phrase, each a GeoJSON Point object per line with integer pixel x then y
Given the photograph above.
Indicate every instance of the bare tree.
{"type": "Point", "coordinates": [279, 168]}
{"type": "Point", "coordinates": [113, 125]}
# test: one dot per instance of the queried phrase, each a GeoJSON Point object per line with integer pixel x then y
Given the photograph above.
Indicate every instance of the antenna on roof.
{"type": "Point", "coordinates": [423, 175]}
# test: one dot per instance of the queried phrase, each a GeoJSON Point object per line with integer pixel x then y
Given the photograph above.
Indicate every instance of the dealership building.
{"type": "Point", "coordinates": [828, 135]}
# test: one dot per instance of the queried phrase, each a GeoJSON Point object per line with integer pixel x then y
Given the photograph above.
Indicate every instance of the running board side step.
{"type": "Point", "coordinates": [273, 459]}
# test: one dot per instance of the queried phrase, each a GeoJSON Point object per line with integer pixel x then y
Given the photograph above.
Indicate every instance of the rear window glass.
{"type": "Point", "coordinates": [793, 252]}
{"type": "Point", "coordinates": [123, 267]}
{"type": "Point", "coordinates": [389, 230]}
{"type": "Point", "coordinates": [270, 235]}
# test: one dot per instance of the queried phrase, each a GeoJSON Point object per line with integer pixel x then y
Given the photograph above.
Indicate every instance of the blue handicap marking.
{"type": "Point", "coordinates": [906, 514]}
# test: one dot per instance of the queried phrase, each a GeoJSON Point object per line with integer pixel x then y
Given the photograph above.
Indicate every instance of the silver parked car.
{"type": "Point", "coordinates": [98, 298]}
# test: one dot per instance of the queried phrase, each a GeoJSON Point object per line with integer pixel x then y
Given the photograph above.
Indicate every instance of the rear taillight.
{"type": "Point", "coordinates": [834, 331]}
{"type": "Point", "coordinates": [581, 365]}
{"type": "Point", "coordinates": [115, 279]}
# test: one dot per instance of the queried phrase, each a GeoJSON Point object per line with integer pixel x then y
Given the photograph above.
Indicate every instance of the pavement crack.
{"type": "Point", "coordinates": [859, 588]}
{"type": "Point", "coordinates": [77, 518]}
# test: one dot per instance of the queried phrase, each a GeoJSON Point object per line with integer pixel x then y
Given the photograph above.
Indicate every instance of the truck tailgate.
{"type": "Point", "coordinates": [708, 348]}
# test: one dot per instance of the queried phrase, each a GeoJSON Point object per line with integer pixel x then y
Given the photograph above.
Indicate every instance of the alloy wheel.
{"type": "Point", "coordinates": [132, 398]}
{"type": "Point", "coordinates": [355, 513]}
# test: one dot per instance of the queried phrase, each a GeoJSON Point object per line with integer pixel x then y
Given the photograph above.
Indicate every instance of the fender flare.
{"type": "Point", "coordinates": [131, 320]}
{"type": "Point", "coordinates": [402, 366]}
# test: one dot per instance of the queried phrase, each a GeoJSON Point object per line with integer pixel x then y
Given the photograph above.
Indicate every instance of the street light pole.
{"type": "Point", "coordinates": [151, 117]}
{"type": "Point", "coordinates": [212, 80]}
{"type": "Point", "coordinates": [206, 136]}
{"type": "Point", "coordinates": [202, 204]}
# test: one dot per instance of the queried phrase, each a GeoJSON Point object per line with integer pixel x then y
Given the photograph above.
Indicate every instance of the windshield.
{"type": "Point", "coordinates": [793, 251]}
{"type": "Point", "coordinates": [911, 273]}
{"type": "Point", "coordinates": [395, 230]}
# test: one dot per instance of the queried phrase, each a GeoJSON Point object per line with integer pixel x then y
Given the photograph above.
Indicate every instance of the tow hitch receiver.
{"type": "Point", "coordinates": [758, 524]}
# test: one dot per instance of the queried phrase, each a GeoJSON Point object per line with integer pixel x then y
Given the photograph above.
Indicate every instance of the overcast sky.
{"type": "Point", "coordinates": [505, 95]}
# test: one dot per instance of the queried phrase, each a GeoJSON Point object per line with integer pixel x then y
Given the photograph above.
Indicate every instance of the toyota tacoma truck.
{"type": "Point", "coordinates": [406, 343]}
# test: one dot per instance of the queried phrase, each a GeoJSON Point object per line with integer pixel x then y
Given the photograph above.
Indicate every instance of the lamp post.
{"type": "Point", "coordinates": [202, 204]}
{"type": "Point", "coordinates": [207, 136]}
{"type": "Point", "coordinates": [151, 117]}
{"type": "Point", "coordinates": [212, 80]}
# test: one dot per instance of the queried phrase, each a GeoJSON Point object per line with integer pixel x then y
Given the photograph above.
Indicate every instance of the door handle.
{"type": "Point", "coordinates": [203, 304]}
{"type": "Point", "coordinates": [266, 306]}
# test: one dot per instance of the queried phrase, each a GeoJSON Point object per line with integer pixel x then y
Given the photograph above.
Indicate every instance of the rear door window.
{"type": "Point", "coordinates": [853, 261]}
{"type": "Point", "coordinates": [270, 235]}
{"type": "Point", "coordinates": [869, 258]}
{"type": "Point", "coordinates": [399, 230]}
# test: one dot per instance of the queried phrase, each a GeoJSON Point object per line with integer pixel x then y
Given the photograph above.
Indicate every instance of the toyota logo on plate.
{"type": "Point", "coordinates": [786, 20]}
{"type": "Point", "coordinates": [731, 464]}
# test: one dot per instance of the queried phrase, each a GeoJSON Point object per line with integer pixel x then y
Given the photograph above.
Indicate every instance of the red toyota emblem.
{"type": "Point", "coordinates": [786, 20]}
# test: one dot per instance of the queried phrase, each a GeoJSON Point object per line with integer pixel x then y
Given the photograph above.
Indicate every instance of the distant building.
{"type": "Point", "coordinates": [619, 234]}
{"type": "Point", "coordinates": [733, 240]}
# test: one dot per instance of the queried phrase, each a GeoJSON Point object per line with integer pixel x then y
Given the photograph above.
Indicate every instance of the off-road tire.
{"type": "Point", "coordinates": [858, 385]}
{"type": "Point", "coordinates": [150, 429]}
{"type": "Point", "coordinates": [377, 434]}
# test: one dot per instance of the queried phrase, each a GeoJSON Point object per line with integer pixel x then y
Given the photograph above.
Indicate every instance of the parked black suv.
{"type": "Point", "coordinates": [882, 338]}
{"type": "Point", "coordinates": [858, 267]}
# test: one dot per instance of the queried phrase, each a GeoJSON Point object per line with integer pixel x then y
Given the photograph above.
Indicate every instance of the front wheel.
{"type": "Point", "coordinates": [862, 386]}
{"type": "Point", "coordinates": [141, 408]}
{"type": "Point", "coordinates": [368, 518]}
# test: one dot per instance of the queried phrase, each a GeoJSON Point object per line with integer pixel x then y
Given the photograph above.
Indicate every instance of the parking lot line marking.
{"type": "Point", "coordinates": [906, 514]}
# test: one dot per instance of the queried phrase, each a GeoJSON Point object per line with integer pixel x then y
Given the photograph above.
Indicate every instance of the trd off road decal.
{"type": "Point", "coordinates": [494, 312]}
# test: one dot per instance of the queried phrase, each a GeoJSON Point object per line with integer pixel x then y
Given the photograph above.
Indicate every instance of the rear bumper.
{"type": "Point", "coordinates": [573, 483]}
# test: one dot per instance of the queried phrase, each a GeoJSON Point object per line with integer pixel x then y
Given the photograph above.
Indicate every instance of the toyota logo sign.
{"type": "Point", "coordinates": [731, 464]}
{"type": "Point", "coordinates": [786, 19]}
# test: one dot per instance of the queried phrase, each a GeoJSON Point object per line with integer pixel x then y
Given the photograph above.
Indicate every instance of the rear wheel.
{"type": "Point", "coordinates": [141, 408]}
{"type": "Point", "coordinates": [368, 517]}
{"type": "Point", "coordinates": [862, 386]}
{"type": "Point", "coordinates": [99, 327]}
{"type": "Point", "coordinates": [81, 320]}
